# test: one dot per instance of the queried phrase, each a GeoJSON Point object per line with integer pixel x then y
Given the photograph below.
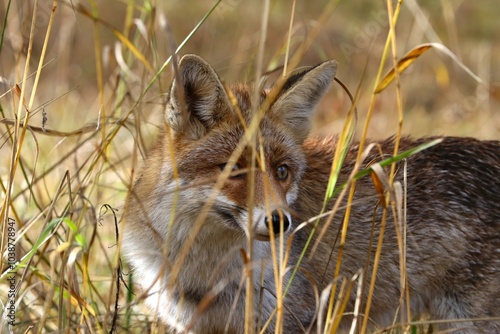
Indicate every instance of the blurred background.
{"type": "Point", "coordinates": [97, 108]}
{"type": "Point", "coordinates": [438, 96]}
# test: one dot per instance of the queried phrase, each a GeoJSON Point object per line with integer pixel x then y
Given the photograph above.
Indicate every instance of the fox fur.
{"type": "Point", "coordinates": [197, 207]}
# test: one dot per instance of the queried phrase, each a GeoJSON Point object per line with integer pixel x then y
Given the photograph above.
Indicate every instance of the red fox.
{"type": "Point", "coordinates": [207, 198]}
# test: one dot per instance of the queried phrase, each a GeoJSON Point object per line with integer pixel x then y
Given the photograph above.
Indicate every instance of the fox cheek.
{"type": "Point", "coordinates": [236, 191]}
{"type": "Point", "coordinates": [292, 195]}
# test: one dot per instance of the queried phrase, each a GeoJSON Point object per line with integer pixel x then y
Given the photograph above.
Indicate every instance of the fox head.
{"type": "Point", "coordinates": [211, 130]}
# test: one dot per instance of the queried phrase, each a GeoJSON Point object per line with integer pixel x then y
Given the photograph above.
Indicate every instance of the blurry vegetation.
{"type": "Point", "coordinates": [92, 121]}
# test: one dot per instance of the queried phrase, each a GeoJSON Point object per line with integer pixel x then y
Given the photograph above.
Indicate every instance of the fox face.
{"type": "Point", "coordinates": [211, 137]}
{"type": "Point", "coordinates": [274, 183]}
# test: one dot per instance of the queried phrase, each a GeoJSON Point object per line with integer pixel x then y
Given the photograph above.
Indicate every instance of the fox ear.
{"type": "Point", "coordinates": [299, 96]}
{"type": "Point", "coordinates": [198, 102]}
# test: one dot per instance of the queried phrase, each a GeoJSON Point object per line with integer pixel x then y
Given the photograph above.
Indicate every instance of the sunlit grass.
{"type": "Point", "coordinates": [82, 90]}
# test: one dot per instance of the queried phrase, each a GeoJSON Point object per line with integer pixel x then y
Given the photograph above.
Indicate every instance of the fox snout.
{"type": "Point", "coordinates": [270, 210]}
{"type": "Point", "coordinates": [278, 219]}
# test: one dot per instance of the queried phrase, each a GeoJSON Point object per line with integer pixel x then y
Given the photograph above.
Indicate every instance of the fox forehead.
{"type": "Point", "coordinates": [202, 157]}
{"type": "Point", "coordinates": [243, 95]}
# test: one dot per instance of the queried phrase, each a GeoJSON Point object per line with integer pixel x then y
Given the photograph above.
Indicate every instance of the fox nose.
{"type": "Point", "coordinates": [276, 217]}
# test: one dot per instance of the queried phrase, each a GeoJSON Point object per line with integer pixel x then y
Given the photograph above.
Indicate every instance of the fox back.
{"type": "Point", "coordinates": [232, 188]}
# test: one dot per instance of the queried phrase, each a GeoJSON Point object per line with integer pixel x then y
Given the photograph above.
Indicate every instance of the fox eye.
{"type": "Point", "coordinates": [282, 172]}
{"type": "Point", "coordinates": [235, 169]}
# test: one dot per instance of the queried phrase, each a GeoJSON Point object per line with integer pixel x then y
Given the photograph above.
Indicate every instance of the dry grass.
{"type": "Point", "coordinates": [81, 100]}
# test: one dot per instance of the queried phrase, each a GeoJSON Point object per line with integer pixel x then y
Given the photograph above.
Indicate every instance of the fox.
{"type": "Point", "coordinates": [220, 224]}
